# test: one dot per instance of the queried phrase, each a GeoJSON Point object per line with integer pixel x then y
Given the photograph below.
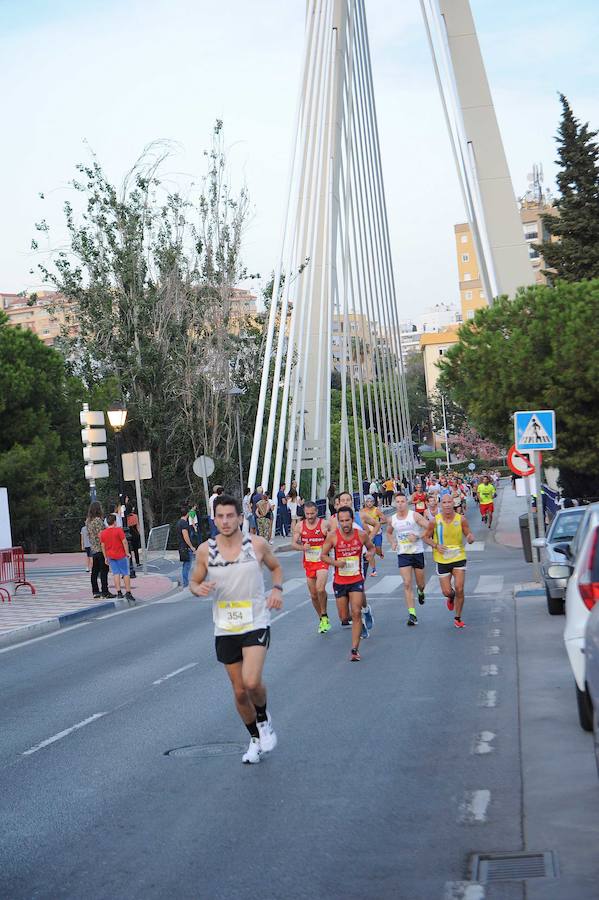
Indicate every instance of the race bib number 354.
{"type": "Point", "coordinates": [234, 615]}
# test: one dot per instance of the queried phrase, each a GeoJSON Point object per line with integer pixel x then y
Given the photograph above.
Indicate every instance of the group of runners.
{"type": "Point", "coordinates": [229, 570]}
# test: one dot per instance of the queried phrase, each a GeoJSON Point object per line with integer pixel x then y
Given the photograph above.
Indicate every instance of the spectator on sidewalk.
{"type": "Point", "coordinates": [194, 526]}
{"type": "Point", "coordinates": [133, 526]}
{"type": "Point", "coordinates": [249, 518]}
{"type": "Point", "coordinates": [85, 546]}
{"type": "Point", "coordinates": [216, 492]}
{"type": "Point", "coordinates": [283, 526]}
{"type": "Point", "coordinates": [186, 549]}
{"type": "Point", "coordinates": [116, 553]}
{"type": "Point", "coordinates": [95, 525]}
{"type": "Point", "coordinates": [331, 494]}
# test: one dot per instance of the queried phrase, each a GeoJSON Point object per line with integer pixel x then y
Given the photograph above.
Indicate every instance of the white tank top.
{"type": "Point", "coordinates": [402, 528]}
{"type": "Point", "coordinates": [239, 598]}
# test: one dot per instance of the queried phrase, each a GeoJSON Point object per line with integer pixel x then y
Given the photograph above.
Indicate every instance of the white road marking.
{"type": "Point", "coordinates": [483, 742]}
{"type": "Point", "coordinates": [493, 650]}
{"type": "Point", "coordinates": [489, 670]}
{"type": "Point", "coordinates": [62, 734]}
{"type": "Point", "coordinates": [487, 698]}
{"type": "Point", "coordinates": [464, 890]}
{"type": "Point", "coordinates": [386, 585]}
{"type": "Point", "coordinates": [494, 632]}
{"type": "Point", "coordinates": [176, 672]}
{"type": "Point", "coordinates": [489, 584]}
{"type": "Point", "coordinates": [474, 806]}
{"type": "Point", "coordinates": [433, 586]}
{"type": "Point", "coordinates": [43, 637]}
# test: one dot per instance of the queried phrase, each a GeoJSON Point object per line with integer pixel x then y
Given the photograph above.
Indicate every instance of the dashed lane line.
{"type": "Point", "coordinates": [63, 734]}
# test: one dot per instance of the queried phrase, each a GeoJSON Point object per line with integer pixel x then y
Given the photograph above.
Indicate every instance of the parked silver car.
{"type": "Point", "coordinates": [562, 532]}
{"type": "Point", "coordinates": [591, 652]}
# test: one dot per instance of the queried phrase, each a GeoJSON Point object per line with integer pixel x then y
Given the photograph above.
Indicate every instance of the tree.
{"type": "Point", "coordinates": [455, 417]}
{"type": "Point", "coordinates": [575, 255]}
{"type": "Point", "coordinates": [416, 391]}
{"type": "Point", "coordinates": [40, 443]}
{"type": "Point", "coordinates": [149, 279]}
{"type": "Point", "coordinates": [535, 352]}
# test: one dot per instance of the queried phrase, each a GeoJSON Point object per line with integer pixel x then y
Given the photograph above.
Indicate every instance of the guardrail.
{"type": "Point", "coordinates": [12, 571]}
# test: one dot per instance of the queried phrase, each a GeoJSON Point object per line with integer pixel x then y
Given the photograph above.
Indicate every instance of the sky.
{"type": "Point", "coordinates": [111, 76]}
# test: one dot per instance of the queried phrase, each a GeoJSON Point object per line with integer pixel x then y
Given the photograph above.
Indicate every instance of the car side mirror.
{"type": "Point", "coordinates": [539, 543]}
{"type": "Point", "coordinates": [558, 571]}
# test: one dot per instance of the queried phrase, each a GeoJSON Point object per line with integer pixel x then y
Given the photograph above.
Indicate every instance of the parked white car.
{"type": "Point", "coordinates": [591, 655]}
{"type": "Point", "coordinates": [582, 592]}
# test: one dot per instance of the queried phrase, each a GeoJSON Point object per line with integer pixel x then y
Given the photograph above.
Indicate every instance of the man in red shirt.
{"type": "Point", "coordinates": [309, 536]}
{"type": "Point", "coordinates": [116, 553]}
{"type": "Point", "coordinates": [348, 580]}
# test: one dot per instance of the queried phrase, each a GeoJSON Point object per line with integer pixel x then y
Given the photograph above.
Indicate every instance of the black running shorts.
{"type": "Point", "coordinates": [447, 568]}
{"type": "Point", "coordinates": [344, 590]}
{"type": "Point", "coordinates": [415, 560]}
{"type": "Point", "coordinates": [229, 647]}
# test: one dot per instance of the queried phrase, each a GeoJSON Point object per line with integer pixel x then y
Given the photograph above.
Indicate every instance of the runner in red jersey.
{"type": "Point", "coordinates": [309, 536]}
{"type": "Point", "coordinates": [348, 580]}
{"type": "Point", "coordinates": [419, 501]}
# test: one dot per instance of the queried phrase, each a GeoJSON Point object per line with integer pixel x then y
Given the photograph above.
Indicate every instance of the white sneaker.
{"type": "Point", "coordinates": [268, 738]}
{"type": "Point", "coordinates": [253, 753]}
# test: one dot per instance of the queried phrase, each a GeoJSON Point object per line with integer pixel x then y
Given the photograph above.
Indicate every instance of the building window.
{"type": "Point", "coordinates": [464, 239]}
{"type": "Point", "coordinates": [467, 276]}
{"type": "Point", "coordinates": [481, 294]}
{"type": "Point", "coordinates": [465, 257]}
{"type": "Point", "coordinates": [470, 313]}
{"type": "Point", "coordinates": [467, 295]}
{"type": "Point", "coordinates": [531, 231]}
{"type": "Point", "coordinates": [532, 253]}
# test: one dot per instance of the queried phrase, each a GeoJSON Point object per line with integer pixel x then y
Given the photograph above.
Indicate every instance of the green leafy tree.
{"type": "Point", "coordinates": [417, 400]}
{"type": "Point", "coordinates": [148, 277]}
{"type": "Point", "coordinates": [40, 443]}
{"type": "Point", "coordinates": [530, 353]}
{"type": "Point", "coordinates": [575, 255]}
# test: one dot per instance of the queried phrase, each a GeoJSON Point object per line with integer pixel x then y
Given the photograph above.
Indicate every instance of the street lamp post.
{"type": "Point", "coordinates": [237, 393]}
{"type": "Point", "coordinates": [117, 416]}
{"type": "Point", "coordinates": [445, 430]}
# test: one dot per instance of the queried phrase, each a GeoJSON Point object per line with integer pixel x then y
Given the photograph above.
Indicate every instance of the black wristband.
{"type": "Point", "coordinates": [277, 587]}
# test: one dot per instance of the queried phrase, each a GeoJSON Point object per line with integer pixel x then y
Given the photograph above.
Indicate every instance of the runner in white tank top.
{"type": "Point", "coordinates": [228, 569]}
{"type": "Point", "coordinates": [405, 533]}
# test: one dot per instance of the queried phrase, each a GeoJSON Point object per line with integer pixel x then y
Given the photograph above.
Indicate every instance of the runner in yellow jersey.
{"type": "Point", "coordinates": [486, 493]}
{"type": "Point", "coordinates": [446, 534]}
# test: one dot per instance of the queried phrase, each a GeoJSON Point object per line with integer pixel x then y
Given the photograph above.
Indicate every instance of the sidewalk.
{"type": "Point", "coordinates": [507, 528]}
{"type": "Point", "coordinates": [64, 597]}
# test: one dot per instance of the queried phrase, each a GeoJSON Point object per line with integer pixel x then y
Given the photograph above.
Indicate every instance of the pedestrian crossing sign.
{"type": "Point", "coordinates": [535, 430]}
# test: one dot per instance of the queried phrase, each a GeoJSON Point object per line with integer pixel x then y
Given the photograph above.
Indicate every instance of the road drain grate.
{"type": "Point", "coordinates": [487, 867]}
{"type": "Point", "coordinates": [206, 751]}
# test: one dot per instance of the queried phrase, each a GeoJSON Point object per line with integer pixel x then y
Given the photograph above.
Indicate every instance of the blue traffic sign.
{"type": "Point", "coordinates": [535, 430]}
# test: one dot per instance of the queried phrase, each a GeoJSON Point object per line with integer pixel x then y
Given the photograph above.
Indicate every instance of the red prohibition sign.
{"type": "Point", "coordinates": [520, 463]}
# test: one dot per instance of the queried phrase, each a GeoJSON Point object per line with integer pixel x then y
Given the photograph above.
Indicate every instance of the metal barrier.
{"type": "Point", "coordinates": [157, 542]}
{"type": "Point", "coordinates": [12, 571]}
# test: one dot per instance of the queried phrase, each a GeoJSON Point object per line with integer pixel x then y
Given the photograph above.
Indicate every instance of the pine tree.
{"type": "Point", "coordinates": [575, 255]}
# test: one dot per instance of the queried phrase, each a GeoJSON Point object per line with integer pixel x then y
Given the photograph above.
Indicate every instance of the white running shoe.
{"type": "Point", "coordinates": [268, 738]}
{"type": "Point", "coordinates": [253, 753]}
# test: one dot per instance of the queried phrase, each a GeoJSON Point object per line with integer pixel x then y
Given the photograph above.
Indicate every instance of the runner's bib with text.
{"type": "Point", "coordinates": [312, 554]}
{"type": "Point", "coordinates": [405, 545]}
{"type": "Point", "coordinates": [450, 554]}
{"type": "Point", "coordinates": [234, 615]}
{"type": "Point", "coordinates": [350, 567]}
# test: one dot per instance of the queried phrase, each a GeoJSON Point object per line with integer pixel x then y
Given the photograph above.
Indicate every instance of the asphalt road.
{"type": "Point", "coordinates": [389, 774]}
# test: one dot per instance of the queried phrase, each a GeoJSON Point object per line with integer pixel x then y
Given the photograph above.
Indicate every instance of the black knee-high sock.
{"type": "Point", "coordinates": [253, 729]}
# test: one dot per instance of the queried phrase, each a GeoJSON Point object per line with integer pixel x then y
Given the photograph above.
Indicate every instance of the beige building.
{"type": "Point", "coordinates": [45, 313]}
{"type": "Point", "coordinates": [472, 294]}
{"type": "Point", "coordinates": [243, 303]}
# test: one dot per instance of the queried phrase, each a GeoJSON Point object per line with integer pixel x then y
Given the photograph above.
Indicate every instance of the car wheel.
{"type": "Point", "coordinates": [585, 709]}
{"type": "Point", "coordinates": [555, 607]}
